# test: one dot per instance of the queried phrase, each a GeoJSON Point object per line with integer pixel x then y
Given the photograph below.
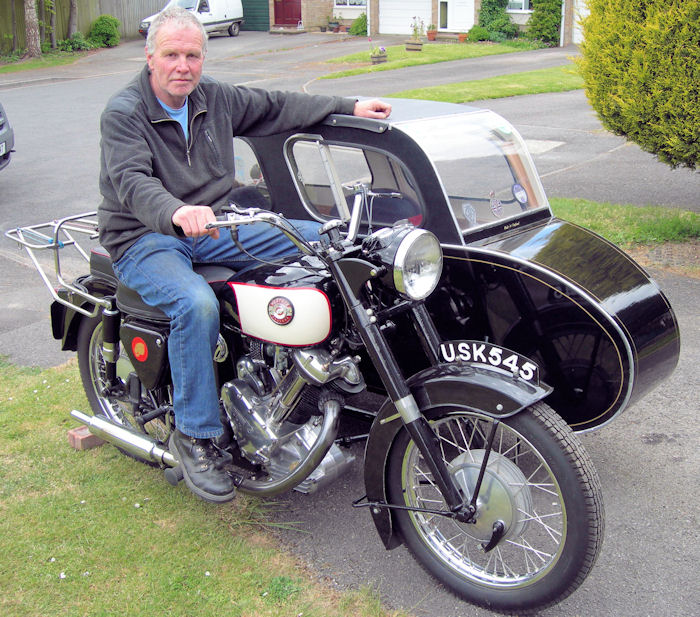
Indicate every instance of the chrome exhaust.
{"type": "Point", "coordinates": [136, 444]}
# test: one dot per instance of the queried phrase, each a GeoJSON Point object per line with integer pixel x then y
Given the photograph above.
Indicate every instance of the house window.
{"type": "Point", "coordinates": [519, 5]}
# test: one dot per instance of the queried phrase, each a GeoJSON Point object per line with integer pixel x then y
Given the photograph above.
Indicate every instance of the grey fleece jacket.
{"type": "Point", "coordinates": [148, 170]}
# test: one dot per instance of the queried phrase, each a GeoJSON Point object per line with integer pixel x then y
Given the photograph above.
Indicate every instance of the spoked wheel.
{"type": "Point", "coordinates": [539, 487]}
{"type": "Point", "coordinates": [114, 407]}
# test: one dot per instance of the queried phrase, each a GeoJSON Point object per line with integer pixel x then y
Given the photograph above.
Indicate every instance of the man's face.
{"type": "Point", "coordinates": [176, 63]}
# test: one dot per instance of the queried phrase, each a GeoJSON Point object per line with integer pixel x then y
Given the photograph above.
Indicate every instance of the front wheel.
{"type": "Point", "coordinates": [539, 486]}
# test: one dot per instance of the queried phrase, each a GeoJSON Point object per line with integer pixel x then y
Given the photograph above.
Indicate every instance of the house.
{"type": "Point", "coordinates": [394, 16]}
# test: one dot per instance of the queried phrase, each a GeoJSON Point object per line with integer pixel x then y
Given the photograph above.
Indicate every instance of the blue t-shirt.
{"type": "Point", "coordinates": [178, 114]}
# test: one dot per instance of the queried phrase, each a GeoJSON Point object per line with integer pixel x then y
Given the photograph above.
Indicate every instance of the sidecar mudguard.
{"type": "Point", "coordinates": [484, 389]}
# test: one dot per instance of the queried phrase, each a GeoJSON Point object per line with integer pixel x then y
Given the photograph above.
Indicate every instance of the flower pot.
{"type": "Point", "coordinates": [432, 34]}
{"type": "Point", "coordinates": [462, 37]}
{"type": "Point", "coordinates": [378, 58]}
{"type": "Point", "coordinates": [412, 45]}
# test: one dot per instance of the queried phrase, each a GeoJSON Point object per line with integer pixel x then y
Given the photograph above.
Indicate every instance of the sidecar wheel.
{"type": "Point", "coordinates": [539, 483]}
{"type": "Point", "coordinates": [92, 373]}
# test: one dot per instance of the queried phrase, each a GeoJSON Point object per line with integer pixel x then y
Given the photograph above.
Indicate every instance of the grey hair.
{"type": "Point", "coordinates": [182, 18]}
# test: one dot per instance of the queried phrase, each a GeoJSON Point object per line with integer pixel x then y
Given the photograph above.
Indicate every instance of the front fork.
{"type": "Point", "coordinates": [392, 377]}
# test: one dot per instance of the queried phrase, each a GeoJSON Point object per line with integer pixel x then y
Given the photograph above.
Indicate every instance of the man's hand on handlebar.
{"type": "Point", "coordinates": [193, 221]}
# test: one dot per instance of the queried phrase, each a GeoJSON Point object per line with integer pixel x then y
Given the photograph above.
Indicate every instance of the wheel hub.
{"type": "Point", "coordinates": [504, 494]}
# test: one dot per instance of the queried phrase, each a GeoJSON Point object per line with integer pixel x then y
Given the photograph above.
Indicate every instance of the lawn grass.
{"type": "Point", "coordinates": [45, 61]}
{"type": "Point", "coordinates": [96, 533]}
{"type": "Point", "coordinates": [554, 79]}
{"type": "Point", "coordinates": [627, 225]}
{"type": "Point", "coordinates": [398, 57]}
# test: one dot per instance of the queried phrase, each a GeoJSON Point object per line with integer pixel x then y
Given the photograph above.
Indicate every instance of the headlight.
{"type": "Point", "coordinates": [417, 264]}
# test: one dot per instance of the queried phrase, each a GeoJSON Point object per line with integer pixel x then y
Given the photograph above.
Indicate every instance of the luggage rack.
{"type": "Point", "coordinates": [56, 235]}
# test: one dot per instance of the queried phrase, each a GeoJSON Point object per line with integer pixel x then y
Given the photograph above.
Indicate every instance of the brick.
{"type": "Point", "coordinates": [81, 438]}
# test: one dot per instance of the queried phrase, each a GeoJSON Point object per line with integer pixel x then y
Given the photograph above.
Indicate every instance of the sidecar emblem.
{"type": "Point", "coordinates": [139, 349]}
{"type": "Point", "coordinates": [280, 310]}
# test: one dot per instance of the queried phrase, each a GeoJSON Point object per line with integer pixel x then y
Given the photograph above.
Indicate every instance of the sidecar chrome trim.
{"type": "Point", "coordinates": [623, 396]}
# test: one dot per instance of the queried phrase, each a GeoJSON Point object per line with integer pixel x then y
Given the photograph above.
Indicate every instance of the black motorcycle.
{"type": "Point", "coordinates": [486, 484]}
{"type": "Point", "coordinates": [443, 301]}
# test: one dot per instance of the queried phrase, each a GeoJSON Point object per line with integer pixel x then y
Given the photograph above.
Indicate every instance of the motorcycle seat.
{"type": "Point", "coordinates": [130, 301]}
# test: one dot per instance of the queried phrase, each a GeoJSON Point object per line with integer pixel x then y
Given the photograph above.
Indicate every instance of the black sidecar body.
{"type": "Point", "coordinates": [514, 275]}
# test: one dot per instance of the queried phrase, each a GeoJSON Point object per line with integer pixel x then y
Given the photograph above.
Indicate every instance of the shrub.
{"type": "Point", "coordinates": [104, 32]}
{"type": "Point", "coordinates": [545, 22]}
{"type": "Point", "coordinates": [494, 18]}
{"type": "Point", "coordinates": [75, 43]}
{"type": "Point", "coordinates": [359, 26]}
{"type": "Point", "coordinates": [478, 33]}
{"type": "Point", "coordinates": [641, 69]}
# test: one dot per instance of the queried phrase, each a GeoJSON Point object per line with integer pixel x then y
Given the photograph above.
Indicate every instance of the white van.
{"type": "Point", "coordinates": [215, 15]}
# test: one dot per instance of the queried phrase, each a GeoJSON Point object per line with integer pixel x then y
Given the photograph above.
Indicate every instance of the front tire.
{"type": "Point", "coordinates": [539, 483]}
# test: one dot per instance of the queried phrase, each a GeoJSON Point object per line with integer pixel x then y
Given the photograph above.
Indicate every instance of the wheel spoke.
{"type": "Point", "coordinates": [535, 534]}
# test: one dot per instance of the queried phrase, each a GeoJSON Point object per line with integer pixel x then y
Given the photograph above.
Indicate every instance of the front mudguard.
{"type": "Point", "coordinates": [465, 387]}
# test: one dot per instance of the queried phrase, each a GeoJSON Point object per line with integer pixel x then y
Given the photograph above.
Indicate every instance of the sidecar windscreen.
{"type": "Point", "coordinates": [327, 175]}
{"type": "Point", "coordinates": [483, 164]}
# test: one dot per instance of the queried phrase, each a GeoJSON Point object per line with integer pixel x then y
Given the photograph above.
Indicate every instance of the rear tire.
{"type": "Point", "coordinates": [234, 29]}
{"type": "Point", "coordinates": [539, 482]}
{"type": "Point", "coordinates": [92, 373]}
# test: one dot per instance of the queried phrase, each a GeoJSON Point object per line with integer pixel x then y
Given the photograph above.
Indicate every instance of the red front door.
{"type": "Point", "coordinates": [287, 12]}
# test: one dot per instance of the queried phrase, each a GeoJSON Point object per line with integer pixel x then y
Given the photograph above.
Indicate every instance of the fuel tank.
{"type": "Point", "coordinates": [289, 304]}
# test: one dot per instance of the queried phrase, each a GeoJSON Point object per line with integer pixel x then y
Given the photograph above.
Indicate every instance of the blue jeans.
{"type": "Point", "coordinates": [159, 268]}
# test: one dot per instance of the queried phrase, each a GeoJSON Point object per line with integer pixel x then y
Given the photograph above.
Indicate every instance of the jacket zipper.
{"type": "Point", "coordinates": [190, 141]}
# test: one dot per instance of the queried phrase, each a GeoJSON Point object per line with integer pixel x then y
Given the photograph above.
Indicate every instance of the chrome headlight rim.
{"type": "Point", "coordinates": [402, 258]}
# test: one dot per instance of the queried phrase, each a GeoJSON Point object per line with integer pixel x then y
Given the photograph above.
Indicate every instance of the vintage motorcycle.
{"type": "Point", "coordinates": [399, 314]}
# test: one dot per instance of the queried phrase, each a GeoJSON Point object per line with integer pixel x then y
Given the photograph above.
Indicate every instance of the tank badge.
{"type": "Point", "coordinates": [280, 310]}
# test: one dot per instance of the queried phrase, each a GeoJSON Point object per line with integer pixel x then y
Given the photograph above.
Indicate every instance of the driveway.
{"type": "Point", "coordinates": [648, 459]}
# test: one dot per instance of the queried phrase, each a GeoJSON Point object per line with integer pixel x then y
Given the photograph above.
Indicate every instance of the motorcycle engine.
{"type": "Point", "coordinates": [273, 409]}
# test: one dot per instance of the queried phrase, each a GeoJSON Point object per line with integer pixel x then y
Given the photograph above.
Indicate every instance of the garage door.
{"type": "Point", "coordinates": [395, 16]}
{"type": "Point", "coordinates": [256, 14]}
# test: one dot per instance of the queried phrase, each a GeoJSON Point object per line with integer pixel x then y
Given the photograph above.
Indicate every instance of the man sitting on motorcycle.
{"type": "Point", "coordinates": [166, 170]}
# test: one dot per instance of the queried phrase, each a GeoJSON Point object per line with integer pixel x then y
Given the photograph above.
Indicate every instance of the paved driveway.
{"type": "Point", "coordinates": [648, 460]}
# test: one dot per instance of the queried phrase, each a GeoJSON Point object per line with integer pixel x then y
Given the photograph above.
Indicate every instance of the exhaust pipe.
{"type": "Point", "coordinates": [136, 444]}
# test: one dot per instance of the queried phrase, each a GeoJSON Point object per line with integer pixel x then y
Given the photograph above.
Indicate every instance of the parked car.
{"type": "Point", "coordinates": [215, 15]}
{"type": "Point", "coordinates": [7, 139]}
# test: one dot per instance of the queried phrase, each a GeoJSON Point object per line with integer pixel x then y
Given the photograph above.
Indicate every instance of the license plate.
{"type": "Point", "coordinates": [478, 352]}
{"type": "Point", "coordinates": [2, 149]}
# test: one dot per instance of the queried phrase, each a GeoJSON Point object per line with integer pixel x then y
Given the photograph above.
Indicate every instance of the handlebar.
{"type": "Point", "coordinates": [247, 216]}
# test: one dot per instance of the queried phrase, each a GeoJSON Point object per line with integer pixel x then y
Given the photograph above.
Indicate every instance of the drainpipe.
{"type": "Point", "coordinates": [563, 21]}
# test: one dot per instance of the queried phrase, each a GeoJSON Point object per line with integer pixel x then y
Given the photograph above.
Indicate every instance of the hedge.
{"type": "Point", "coordinates": [641, 69]}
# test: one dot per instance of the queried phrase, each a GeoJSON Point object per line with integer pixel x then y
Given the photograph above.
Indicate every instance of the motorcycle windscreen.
{"type": "Point", "coordinates": [291, 316]}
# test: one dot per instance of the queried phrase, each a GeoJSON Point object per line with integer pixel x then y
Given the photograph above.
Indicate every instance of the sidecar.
{"type": "Point", "coordinates": [515, 275]}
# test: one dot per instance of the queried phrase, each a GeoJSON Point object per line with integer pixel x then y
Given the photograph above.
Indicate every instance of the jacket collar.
{"type": "Point", "coordinates": [197, 99]}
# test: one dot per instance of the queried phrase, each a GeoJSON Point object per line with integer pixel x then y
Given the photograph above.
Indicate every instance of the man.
{"type": "Point", "coordinates": [166, 170]}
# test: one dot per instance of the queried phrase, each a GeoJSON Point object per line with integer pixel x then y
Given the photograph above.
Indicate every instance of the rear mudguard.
{"type": "Point", "coordinates": [487, 390]}
{"type": "Point", "coordinates": [65, 321]}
